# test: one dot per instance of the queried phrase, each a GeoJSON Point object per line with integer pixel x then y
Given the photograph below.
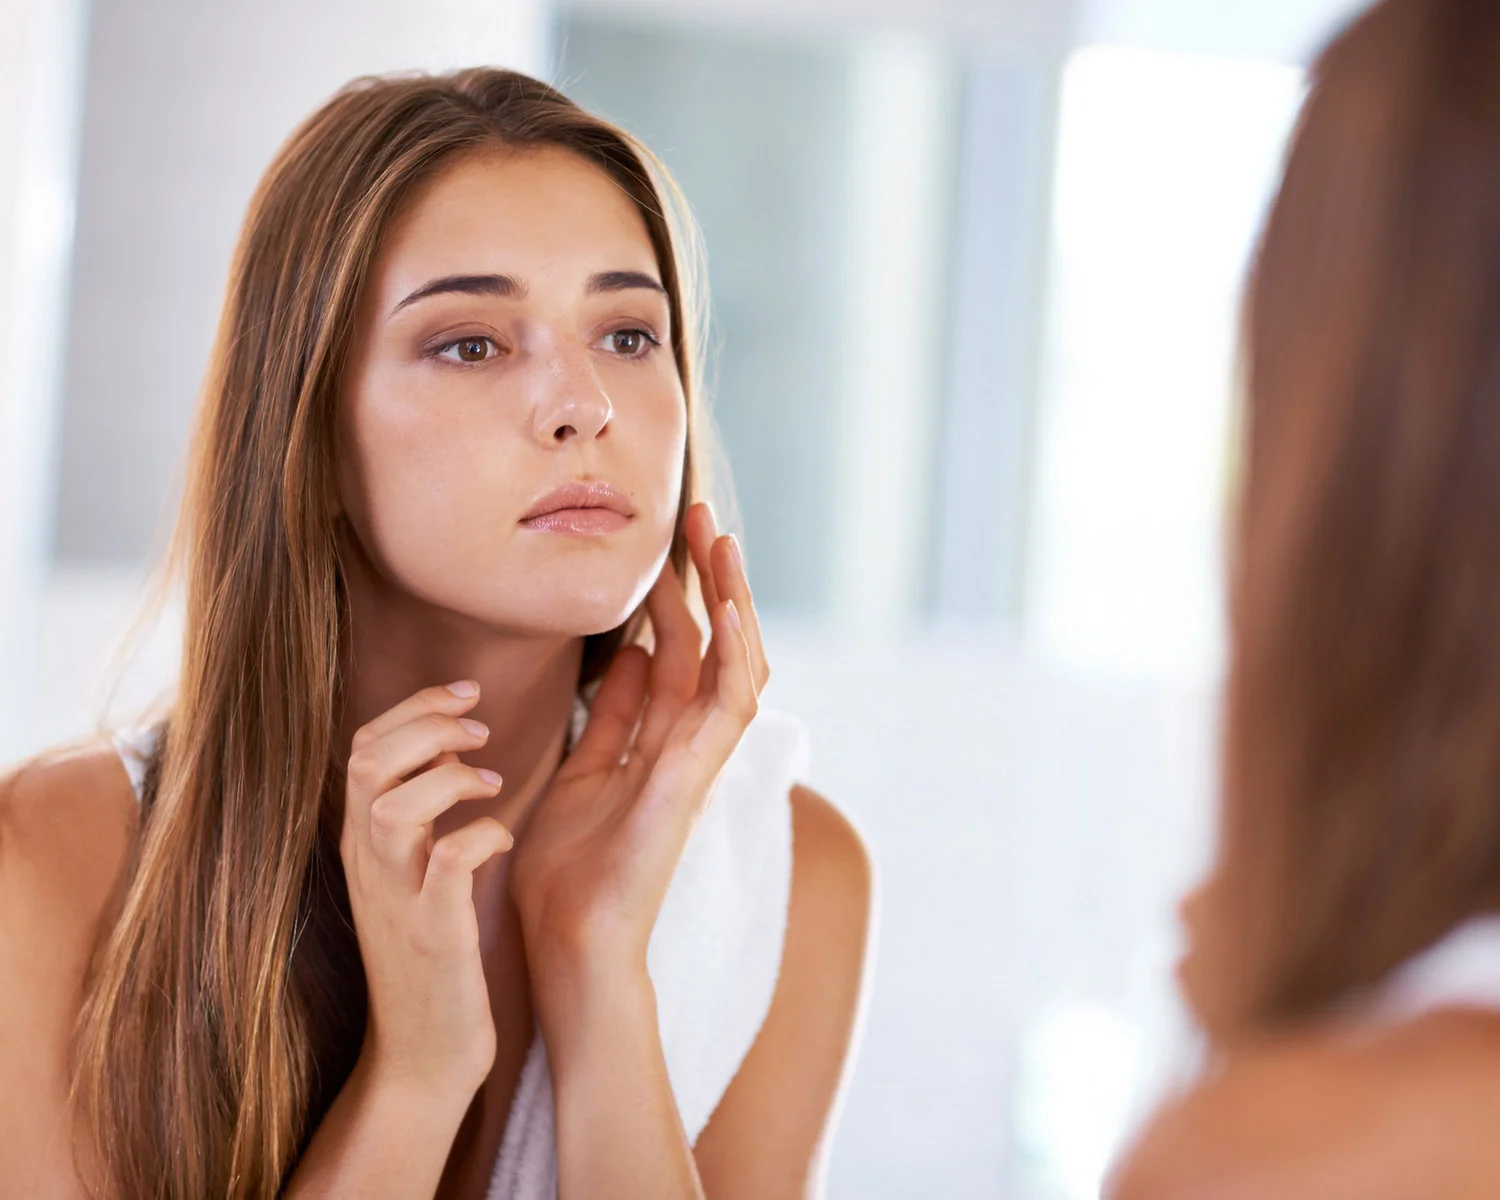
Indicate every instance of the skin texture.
{"type": "Point", "coordinates": [531, 899]}
{"type": "Point", "coordinates": [1406, 1112]}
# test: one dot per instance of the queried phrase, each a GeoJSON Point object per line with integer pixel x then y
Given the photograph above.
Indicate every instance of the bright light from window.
{"type": "Point", "coordinates": [1164, 168]}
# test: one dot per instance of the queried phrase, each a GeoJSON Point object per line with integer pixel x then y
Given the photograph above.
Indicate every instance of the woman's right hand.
{"type": "Point", "coordinates": [430, 1027]}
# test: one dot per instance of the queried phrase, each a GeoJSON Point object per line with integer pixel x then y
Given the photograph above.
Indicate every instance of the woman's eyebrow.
{"type": "Point", "coordinates": [624, 281]}
{"type": "Point", "coordinates": [504, 287]}
{"type": "Point", "coordinates": [507, 287]}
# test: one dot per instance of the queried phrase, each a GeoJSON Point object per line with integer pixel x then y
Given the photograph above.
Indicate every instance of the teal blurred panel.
{"type": "Point", "coordinates": [755, 128]}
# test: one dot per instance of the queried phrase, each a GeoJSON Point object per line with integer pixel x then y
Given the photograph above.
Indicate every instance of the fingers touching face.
{"type": "Point", "coordinates": [679, 640]}
{"type": "Point", "coordinates": [679, 669]}
{"type": "Point", "coordinates": [615, 711]}
{"type": "Point", "coordinates": [721, 574]}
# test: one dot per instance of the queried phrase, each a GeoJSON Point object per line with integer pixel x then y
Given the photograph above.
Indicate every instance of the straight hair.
{"type": "Point", "coordinates": [225, 1007]}
{"type": "Point", "coordinates": [1361, 764]}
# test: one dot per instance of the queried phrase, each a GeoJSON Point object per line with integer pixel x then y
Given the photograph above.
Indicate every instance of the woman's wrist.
{"type": "Point", "coordinates": [572, 966]}
{"type": "Point", "coordinates": [402, 1085]}
{"type": "Point", "coordinates": [583, 1004]}
{"type": "Point", "coordinates": [617, 1125]}
{"type": "Point", "coordinates": [387, 1134]}
{"type": "Point", "coordinates": [432, 1102]}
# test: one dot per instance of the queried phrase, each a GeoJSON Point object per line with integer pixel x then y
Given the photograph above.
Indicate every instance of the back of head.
{"type": "Point", "coordinates": [1362, 746]}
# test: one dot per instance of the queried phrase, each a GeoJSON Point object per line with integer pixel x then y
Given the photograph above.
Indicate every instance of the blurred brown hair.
{"type": "Point", "coordinates": [226, 1007]}
{"type": "Point", "coordinates": [1361, 816]}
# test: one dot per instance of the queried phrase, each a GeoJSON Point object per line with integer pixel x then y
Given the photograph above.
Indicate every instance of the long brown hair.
{"type": "Point", "coordinates": [225, 1008]}
{"type": "Point", "coordinates": [1361, 812]}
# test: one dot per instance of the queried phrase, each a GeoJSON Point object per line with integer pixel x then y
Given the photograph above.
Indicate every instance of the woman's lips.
{"type": "Point", "coordinates": [582, 521]}
{"type": "Point", "coordinates": [582, 508]}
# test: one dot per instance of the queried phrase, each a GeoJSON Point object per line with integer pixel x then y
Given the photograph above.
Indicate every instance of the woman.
{"type": "Point", "coordinates": [1345, 956]}
{"type": "Point", "coordinates": [372, 932]}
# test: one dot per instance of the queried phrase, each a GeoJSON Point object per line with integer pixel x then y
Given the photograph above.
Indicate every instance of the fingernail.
{"type": "Point", "coordinates": [734, 614]}
{"type": "Point", "coordinates": [477, 728]}
{"type": "Point", "coordinates": [464, 687]}
{"type": "Point", "coordinates": [490, 777]}
{"type": "Point", "coordinates": [734, 548]}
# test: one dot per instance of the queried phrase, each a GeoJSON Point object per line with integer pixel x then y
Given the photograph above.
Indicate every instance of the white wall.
{"type": "Point", "coordinates": [40, 81]}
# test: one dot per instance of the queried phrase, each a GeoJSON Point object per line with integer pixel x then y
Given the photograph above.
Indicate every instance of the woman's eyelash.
{"type": "Point", "coordinates": [481, 349]}
{"type": "Point", "coordinates": [649, 338]}
{"type": "Point", "coordinates": [441, 351]}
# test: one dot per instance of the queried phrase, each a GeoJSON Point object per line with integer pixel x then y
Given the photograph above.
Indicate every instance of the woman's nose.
{"type": "Point", "coordinates": [574, 405]}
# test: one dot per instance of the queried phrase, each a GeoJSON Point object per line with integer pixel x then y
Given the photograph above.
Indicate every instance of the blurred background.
{"type": "Point", "coordinates": [975, 269]}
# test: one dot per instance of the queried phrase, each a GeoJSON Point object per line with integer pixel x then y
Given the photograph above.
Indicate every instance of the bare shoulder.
{"type": "Point", "coordinates": [824, 964]}
{"type": "Point", "coordinates": [768, 1136]}
{"type": "Point", "coordinates": [1407, 1111]}
{"type": "Point", "coordinates": [66, 824]}
{"type": "Point", "coordinates": [831, 862]}
{"type": "Point", "coordinates": [66, 821]}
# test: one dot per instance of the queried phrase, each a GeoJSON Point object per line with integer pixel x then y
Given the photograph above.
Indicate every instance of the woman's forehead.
{"type": "Point", "coordinates": [544, 216]}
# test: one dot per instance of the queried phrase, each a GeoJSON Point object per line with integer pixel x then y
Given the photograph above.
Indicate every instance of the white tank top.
{"type": "Point", "coordinates": [714, 955]}
{"type": "Point", "coordinates": [1460, 970]}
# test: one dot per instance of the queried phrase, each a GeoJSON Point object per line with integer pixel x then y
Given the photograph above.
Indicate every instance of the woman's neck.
{"type": "Point", "coordinates": [398, 644]}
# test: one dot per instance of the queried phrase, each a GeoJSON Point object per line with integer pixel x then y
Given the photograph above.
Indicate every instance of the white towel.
{"type": "Point", "coordinates": [714, 955]}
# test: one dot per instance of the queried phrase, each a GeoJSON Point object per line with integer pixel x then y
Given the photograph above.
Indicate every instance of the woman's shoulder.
{"type": "Point", "coordinates": [1402, 1110]}
{"type": "Point", "coordinates": [830, 853]}
{"type": "Point", "coordinates": [67, 821]}
{"type": "Point", "coordinates": [67, 812]}
{"type": "Point", "coordinates": [831, 908]}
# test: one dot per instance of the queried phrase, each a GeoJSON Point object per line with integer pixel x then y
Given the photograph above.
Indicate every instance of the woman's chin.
{"type": "Point", "coordinates": [584, 616]}
{"type": "Point", "coordinates": [571, 604]}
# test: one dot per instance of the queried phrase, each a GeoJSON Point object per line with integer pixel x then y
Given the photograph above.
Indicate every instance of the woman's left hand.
{"type": "Point", "coordinates": [592, 863]}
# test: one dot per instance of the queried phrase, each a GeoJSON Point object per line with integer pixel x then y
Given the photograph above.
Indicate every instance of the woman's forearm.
{"type": "Point", "coordinates": [379, 1139]}
{"type": "Point", "coordinates": [618, 1129]}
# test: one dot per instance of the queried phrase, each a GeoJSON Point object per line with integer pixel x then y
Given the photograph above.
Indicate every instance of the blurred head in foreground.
{"type": "Point", "coordinates": [1361, 769]}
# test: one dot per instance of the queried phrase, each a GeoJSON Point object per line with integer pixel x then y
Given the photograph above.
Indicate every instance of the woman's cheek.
{"type": "Point", "coordinates": [422, 505]}
{"type": "Point", "coordinates": [670, 440]}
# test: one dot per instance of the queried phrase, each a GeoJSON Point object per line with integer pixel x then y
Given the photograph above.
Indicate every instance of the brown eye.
{"type": "Point", "coordinates": [468, 350]}
{"type": "Point", "coordinates": [628, 343]}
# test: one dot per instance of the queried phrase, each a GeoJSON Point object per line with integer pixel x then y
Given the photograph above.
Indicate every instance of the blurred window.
{"type": "Point", "coordinates": [976, 316]}
{"type": "Point", "coordinates": [755, 130]}
{"type": "Point", "coordinates": [1165, 165]}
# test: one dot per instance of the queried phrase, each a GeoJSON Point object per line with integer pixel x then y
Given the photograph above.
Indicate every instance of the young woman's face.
{"type": "Point", "coordinates": [512, 428]}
